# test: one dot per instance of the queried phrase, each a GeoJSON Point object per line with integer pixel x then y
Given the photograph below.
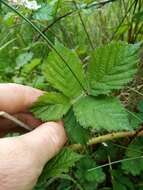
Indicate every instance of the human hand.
{"type": "Point", "coordinates": [22, 158]}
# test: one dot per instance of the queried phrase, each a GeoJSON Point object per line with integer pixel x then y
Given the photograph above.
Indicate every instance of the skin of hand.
{"type": "Point", "coordinates": [22, 158]}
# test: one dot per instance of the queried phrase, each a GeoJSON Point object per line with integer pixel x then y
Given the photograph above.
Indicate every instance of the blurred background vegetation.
{"type": "Point", "coordinates": [82, 25]}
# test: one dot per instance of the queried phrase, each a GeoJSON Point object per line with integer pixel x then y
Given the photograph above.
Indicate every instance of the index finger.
{"type": "Point", "coordinates": [15, 98]}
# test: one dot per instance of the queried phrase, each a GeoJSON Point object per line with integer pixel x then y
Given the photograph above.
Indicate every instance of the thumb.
{"type": "Point", "coordinates": [45, 141]}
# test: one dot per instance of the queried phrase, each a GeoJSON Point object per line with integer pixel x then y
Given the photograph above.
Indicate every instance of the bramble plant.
{"type": "Point", "coordinates": [87, 93]}
{"type": "Point", "coordinates": [86, 78]}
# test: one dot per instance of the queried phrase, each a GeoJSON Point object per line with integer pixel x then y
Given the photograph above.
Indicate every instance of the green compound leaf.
{"type": "Point", "coordinates": [62, 162]}
{"type": "Point", "coordinates": [58, 165]}
{"type": "Point", "coordinates": [134, 167]}
{"type": "Point", "coordinates": [112, 66]}
{"type": "Point", "coordinates": [51, 106]}
{"type": "Point", "coordinates": [67, 77]}
{"type": "Point", "coordinates": [86, 177]}
{"type": "Point", "coordinates": [101, 113]}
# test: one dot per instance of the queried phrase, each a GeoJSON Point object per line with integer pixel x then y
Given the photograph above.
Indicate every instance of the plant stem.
{"type": "Point", "coordinates": [104, 138]}
{"type": "Point", "coordinates": [92, 141]}
{"type": "Point", "coordinates": [116, 162]}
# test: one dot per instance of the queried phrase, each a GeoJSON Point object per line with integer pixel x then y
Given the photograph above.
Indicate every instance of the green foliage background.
{"type": "Point", "coordinates": [93, 81]}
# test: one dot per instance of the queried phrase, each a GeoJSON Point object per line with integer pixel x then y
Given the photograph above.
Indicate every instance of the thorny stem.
{"type": "Point", "coordinates": [15, 120]}
{"type": "Point", "coordinates": [76, 147]}
{"type": "Point", "coordinates": [104, 138]}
